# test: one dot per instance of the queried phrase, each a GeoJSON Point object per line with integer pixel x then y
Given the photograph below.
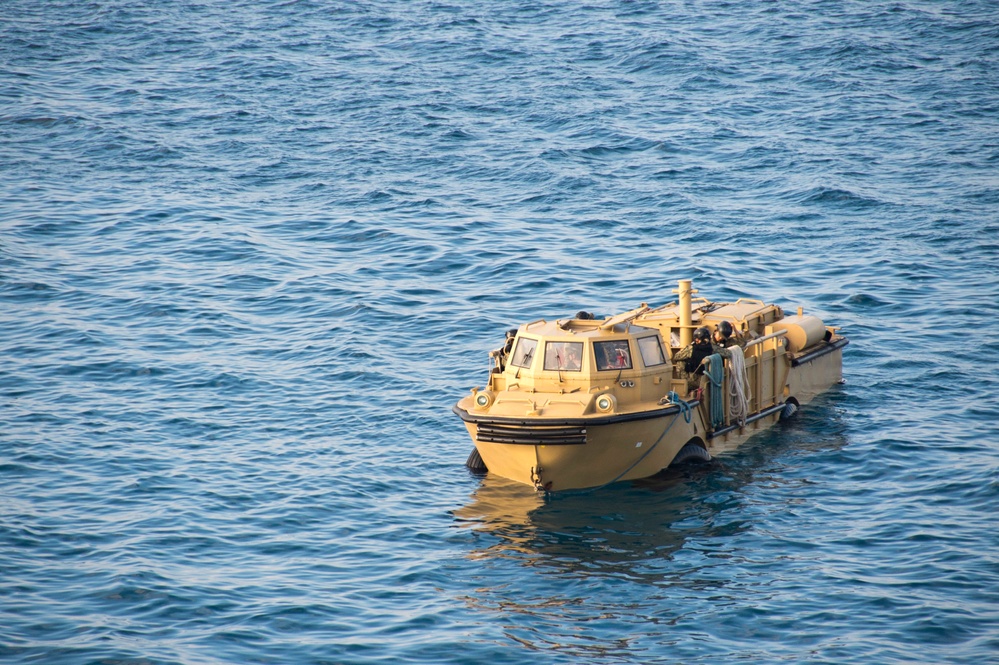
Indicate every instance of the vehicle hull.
{"type": "Point", "coordinates": [614, 449]}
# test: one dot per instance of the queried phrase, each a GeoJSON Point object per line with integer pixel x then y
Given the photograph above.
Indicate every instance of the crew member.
{"type": "Point", "coordinates": [500, 355]}
{"type": "Point", "coordinates": [726, 336]}
{"type": "Point", "coordinates": [688, 362]}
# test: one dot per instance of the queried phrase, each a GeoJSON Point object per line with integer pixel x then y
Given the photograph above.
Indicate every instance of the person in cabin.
{"type": "Point", "coordinates": [621, 358]}
{"type": "Point", "coordinates": [572, 360]}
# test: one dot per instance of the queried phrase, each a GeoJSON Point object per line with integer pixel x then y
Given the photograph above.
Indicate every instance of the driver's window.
{"type": "Point", "coordinates": [564, 356]}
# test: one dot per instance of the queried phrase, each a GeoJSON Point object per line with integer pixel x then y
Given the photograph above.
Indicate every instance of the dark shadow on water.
{"type": "Point", "coordinates": [605, 532]}
{"type": "Point", "coordinates": [627, 531]}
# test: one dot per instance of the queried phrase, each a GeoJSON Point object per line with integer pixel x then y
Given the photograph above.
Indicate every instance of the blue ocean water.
{"type": "Point", "coordinates": [252, 252]}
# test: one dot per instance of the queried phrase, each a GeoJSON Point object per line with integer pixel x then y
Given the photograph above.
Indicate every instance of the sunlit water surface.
{"type": "Point", "coordinates": [252, 252]}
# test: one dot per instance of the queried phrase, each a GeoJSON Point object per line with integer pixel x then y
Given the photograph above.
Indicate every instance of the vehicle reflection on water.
{"type": "Point", "coordinates": [625, 530]}
{"type": "Point", "coordinates": [612, 552]}
{"type": "Point", "coordinates": [621, 569]}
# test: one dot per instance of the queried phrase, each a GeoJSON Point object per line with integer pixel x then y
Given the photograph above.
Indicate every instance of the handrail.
{"type": "Point", "coordinates": [779, 333]}
{"type": "Point", "coordinates": [625, 317]}
{"type": "Point", "coordinates": [693, 301]}
{"type": "Point", "coordinates": [662, 307]}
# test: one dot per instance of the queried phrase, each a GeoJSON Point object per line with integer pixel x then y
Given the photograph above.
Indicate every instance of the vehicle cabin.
{"type": "Point", "coordinates": [581, 357]}
{"type": "Point", "coordinates": [628, 357]}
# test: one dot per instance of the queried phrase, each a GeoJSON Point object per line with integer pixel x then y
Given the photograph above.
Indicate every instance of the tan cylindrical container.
{"type": "Point", "coordinates": [802, 331]}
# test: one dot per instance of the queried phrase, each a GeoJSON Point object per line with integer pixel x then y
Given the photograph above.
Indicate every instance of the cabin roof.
{"type": "Point", "coordinates": [581, 328]}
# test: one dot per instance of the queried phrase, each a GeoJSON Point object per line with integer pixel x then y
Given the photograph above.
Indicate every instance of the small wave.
{"type": "Point", "coordinates": [837, 197]}
{"type": "Point", "coordinates": [866, 301]}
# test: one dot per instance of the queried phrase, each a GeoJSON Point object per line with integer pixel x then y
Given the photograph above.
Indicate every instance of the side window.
{"type": "Point", "coordinates": [564, 356]}
{"type": "Point", "coordinates": [652, 351]}
{"type": "Point", "coordinates": [612, 355]}
{"type": "Point", "coordinates": [524, 353]}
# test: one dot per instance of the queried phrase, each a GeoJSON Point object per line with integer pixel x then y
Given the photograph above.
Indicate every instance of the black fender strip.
{"type": "Point", "coordinates": [818, 353]}
{"type": "Point", "coordinates": [756, 416]}
{"type": "Point", "coordinates": [592, 421]}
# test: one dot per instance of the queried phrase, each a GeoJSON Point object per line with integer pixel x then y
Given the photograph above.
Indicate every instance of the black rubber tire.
{"type": "Point", "coordinates": [475, 463]}
{"type": "Point", "coordinates": [692, 452]}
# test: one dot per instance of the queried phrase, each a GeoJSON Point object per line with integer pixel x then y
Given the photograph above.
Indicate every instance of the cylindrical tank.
{"type": "Point", "coordinates": [802, 331]}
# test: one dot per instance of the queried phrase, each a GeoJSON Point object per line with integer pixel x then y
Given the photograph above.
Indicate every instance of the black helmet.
{"type": "Point", "coordinates": [725, 328]}
{"type": "Point", "coordinates": [702, 333]}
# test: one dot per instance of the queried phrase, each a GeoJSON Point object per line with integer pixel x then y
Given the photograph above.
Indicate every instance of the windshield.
{"type": "Point", "coordinates": [564, 356]}
{"type": "Point", "coordinates": [524, 353]}
{"type": "Point", "coordinates": [612, 355]}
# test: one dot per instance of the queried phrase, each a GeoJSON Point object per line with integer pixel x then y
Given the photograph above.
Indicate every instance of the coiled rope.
{"type": "Point", "coordinates": [716, 374]}
{"type": "Point", "coordinates": [738, 387]}
{"type": "Point", "coordinates": [673, 398]}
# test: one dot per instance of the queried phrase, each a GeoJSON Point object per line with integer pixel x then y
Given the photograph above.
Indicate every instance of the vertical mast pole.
{"type": "Point", "coordinates": [686, 327]}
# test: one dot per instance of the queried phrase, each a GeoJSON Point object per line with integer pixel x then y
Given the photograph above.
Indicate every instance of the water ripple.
{"type": "Point", "coordinates": [250, 254]}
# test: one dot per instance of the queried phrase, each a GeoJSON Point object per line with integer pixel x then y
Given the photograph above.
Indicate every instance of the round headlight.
{"type": "Point", "coordinates": [606, 403]}
{"type": "Point", "coordinates": [483, 400]}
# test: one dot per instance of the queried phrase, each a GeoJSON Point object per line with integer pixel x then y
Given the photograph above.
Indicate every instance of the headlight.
{"type": "Point", "coordinates": [483, 399]}
{"type": "Point", "coordinates": [606, 403]}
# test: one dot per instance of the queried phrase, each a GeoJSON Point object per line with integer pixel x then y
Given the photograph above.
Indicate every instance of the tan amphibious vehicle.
{"type": "Point", "coordinates": [583, 402]}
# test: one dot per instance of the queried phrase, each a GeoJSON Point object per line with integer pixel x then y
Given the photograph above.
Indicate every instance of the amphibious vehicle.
{"type": "Point", "coordinates": [582, 402]}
